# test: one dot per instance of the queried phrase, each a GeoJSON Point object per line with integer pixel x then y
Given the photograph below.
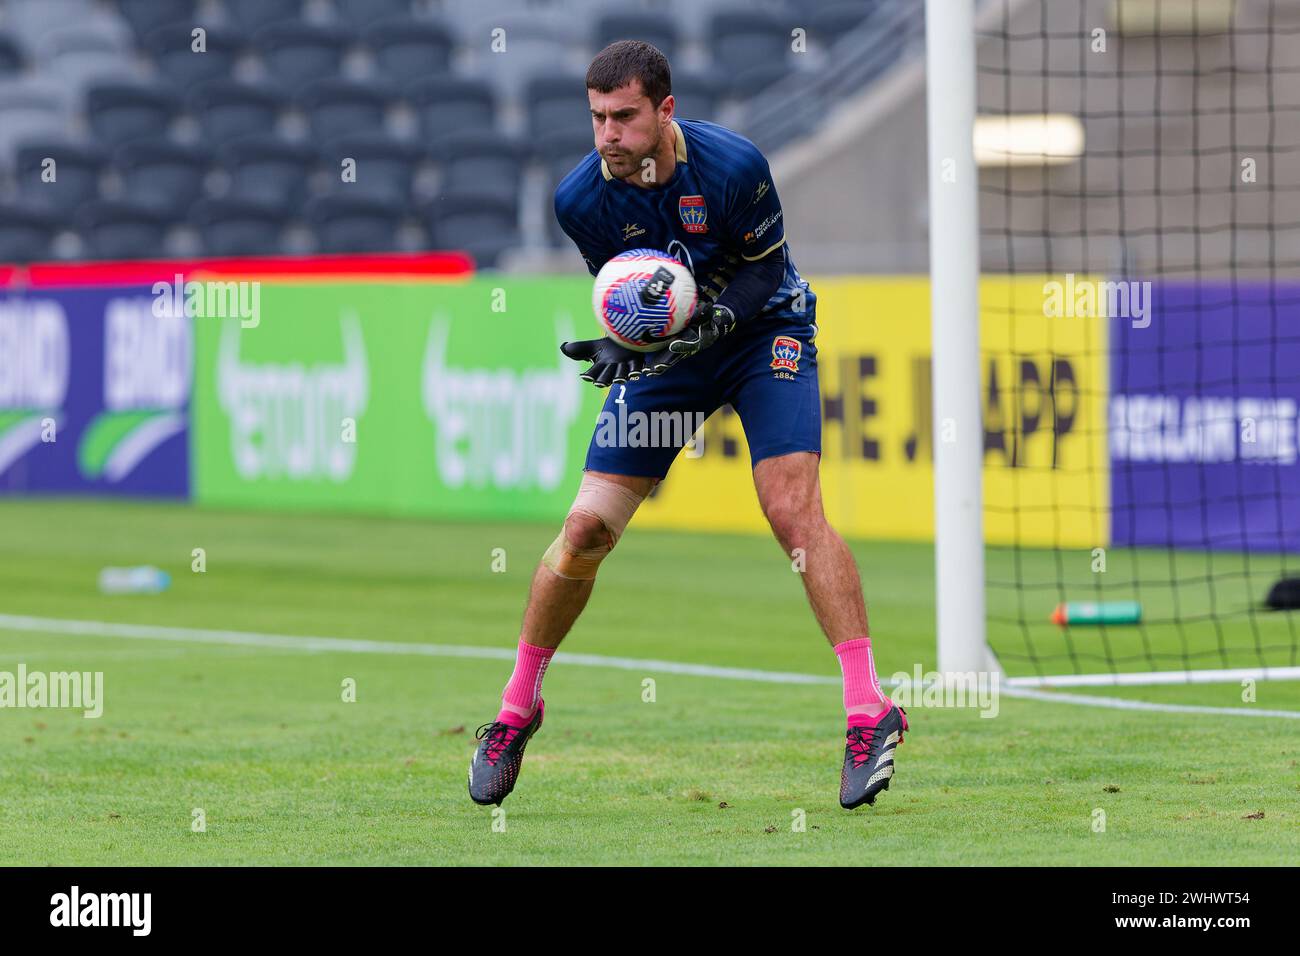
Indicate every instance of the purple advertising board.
{"type": "Point", "coordinates": [94, 393]}
{"type": "Point", "coordinates": [1204, 395]}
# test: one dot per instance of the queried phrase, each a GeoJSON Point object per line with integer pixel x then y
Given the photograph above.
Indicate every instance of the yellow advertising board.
{"type": "Point", "coordinates": [1043, 391]}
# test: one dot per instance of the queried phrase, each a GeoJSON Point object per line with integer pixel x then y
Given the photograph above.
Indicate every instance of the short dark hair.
{"type": "Point", "coordinates": [626, 60]}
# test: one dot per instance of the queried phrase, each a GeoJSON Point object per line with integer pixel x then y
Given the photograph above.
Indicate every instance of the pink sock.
{"type": "Point", "coordinates": [862, 693]}
{"type": "Point", "coordinates": [524, 689]}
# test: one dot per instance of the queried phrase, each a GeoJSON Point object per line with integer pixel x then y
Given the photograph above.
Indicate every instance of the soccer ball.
{"type": "Point", "coordinates": [643, 294]}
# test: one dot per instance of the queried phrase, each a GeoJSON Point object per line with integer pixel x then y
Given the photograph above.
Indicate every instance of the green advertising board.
{"type": "Point", "coordinates": [417, 398]}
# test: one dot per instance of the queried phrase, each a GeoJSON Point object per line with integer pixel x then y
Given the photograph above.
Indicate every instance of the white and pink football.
{"type": "Point", "coordinates": [641, 295]}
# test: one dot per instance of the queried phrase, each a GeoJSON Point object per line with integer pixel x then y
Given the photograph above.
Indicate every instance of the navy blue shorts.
{"type": "Point", "coordinates": [766, 369]}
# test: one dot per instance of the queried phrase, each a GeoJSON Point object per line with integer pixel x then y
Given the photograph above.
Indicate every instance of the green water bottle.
{"type": "Point", "coordinates": [1097, 612]}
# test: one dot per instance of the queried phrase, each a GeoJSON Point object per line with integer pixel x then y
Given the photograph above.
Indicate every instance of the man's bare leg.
{"type": "Point", "coordinates": [561, 585]}
{"type": "Point", "coordinates": [554, 603]}
{"type": "Point", "coordinates": [789, 491]}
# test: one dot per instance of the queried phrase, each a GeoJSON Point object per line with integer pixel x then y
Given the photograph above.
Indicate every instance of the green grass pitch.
{"type": "Point", "coordinates": [714, 771]}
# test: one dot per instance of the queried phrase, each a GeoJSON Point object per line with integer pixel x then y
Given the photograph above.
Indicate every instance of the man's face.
{"type": "Point", "coordinates": [627, 127]}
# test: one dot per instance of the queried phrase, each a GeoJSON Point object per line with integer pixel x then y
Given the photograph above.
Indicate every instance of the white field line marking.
{"type": "Point", "coordinates": [1120, 703]}
{"type": "Point", "coordinates": [1151, 678]}
{"type": "Point", "coordinates": [189, 635]}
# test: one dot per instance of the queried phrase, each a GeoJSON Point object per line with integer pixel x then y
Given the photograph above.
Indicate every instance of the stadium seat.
{"type": "Point", "coordinates": [696, 96]}
{"type": "Point", "coordinates": [558, 153]}
{"type": "Point", "coordinates": [233, 226]}
{"type": "Point", "coordinates": [33, 20]}
{"type": "Point", "coordinates": [385, 167]}
{"type": "Point", "coordinates": [481, 163]}
{"type": "Point", "coordinates": [354, 223]}
{"type": "Point", "coordinates": [557, 103]}
{"type": "Point", "coordinates": [754, 80]}
{"type": "Point", "coordinates": [77, 170]}
{"type": "Point", "coordinates": [228, 110]}
{"type": "Point", "coordinates": [536, 46]}
{"type": "Point", "coordinates": [296, 52]}
{"type": "Point", "coordinates": [172, 49]}
{"type": "Point", "coordinates": [163, 175]}
{"type": "Point", "coordinates": [146, 16]}
{"type": "Point", "coordinates": [30, 109]}
{"type": "Point", "coordinates": [448, 104]}
{"type": "Point", "coordinates": [115, 229]}
{"type": "Point", "coordinates": [122, 112]}
{"type": "Point", "coordinates": [79, 55]}
{"type": "Point", "coordinates": [359, 14]}
{"type": "Point", "coordinates": [337, 107]}
{"type": "Point", "coordinates": [653, 28]}
{"type": "Point", "coordinates": [26, 232]}
{"type": "Point", "coordinates": [482, 226]}
{"type": "Point", "coordinates": [269, 170]}
{"type": "Point", "coordinates": [12, 58]}
{"type": "Point", "coordinates": [741, 39]}
{"type": "Point", "coordinates": [406, 50]}
{"type": "Point", "coordinates": [252, 15]}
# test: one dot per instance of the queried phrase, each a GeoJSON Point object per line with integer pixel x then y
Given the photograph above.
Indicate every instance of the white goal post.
{"type": "Point", "coordinates": [958, 433]}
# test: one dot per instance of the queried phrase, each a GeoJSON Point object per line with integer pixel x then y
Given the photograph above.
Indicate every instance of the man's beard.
{"type": "Point", "coordinates": [636, 162]}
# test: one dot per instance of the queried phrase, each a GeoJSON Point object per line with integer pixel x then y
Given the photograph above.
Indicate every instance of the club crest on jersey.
{"type": "Point", "coordinates": [694, 213]}
{"type": "Point", "coordinates": [785, 355]}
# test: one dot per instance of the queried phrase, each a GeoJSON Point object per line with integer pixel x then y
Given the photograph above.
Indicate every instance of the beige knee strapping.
{"type": "Point", "coordinates": [609, 503]}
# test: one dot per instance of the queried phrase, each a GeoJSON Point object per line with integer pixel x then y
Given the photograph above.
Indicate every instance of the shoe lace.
{"type": "Point", "coordinates": [859, 743]}
{"type": "Point", "coordinates": [499, 734]}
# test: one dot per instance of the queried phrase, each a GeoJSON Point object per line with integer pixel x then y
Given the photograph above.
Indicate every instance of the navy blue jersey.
{"type": "Point", "coordinates": [718, 207]}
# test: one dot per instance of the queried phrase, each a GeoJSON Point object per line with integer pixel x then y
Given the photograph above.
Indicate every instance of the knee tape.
{"type": "Point", "coordinates": [609, 503]}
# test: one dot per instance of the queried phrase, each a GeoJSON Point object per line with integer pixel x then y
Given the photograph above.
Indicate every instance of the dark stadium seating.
{"type": "Point", "coordinates": [557, 103]}
{"type": "Point", "coordinates": [30, 110]}
{"type": "Point", "coordinates": [254, 14]}
{"type": "Point", "coordinates": [753, 80]}
{"type": "Point", "coordinates": [279, 98]}
{"type": "Point", "coordinates": [347, 223]}
{"type": "Point", "coordinates": [742, 39]}
{"type": "Point", "coordinates": [336, 107]}
{"type": "Point", "coordinates": [653, 28]}
{"type": "Point", "coordinates": [558, 153]}
{"type": "Point", "coordinates": [385, 166]}
{"type": "Point", "coordinates": [162, 174]}
{"type": "Point", "coordinates": [297, 52]}
{"type": "Point", "coordinates": [359, 14]}
{"type": "Point", "coordinates": [481, 225]}
{"type": "Point", "coordinates": [12, 58]}
{"type": "Point", "coordinates": [696, 95]}
{"type": "Point", "coordinates": [26, 232]}
{"type": "Point", "coordinates": [406, 50]}
{"type": "Point", "coordinates": [122, 112]}
{"type": "Point", "coordinates": [481, 163]}
{"type": "Point", "coordinates": [446, 104]}
{"type": "Point", "coordinates": [269, 170]}
{"type": "Point", "coordinates": [117, 229]}
{"type": "Point", "coordinates": [238, 226]}
{"type": "Point", "coordinates": [227, 110]}
{"type": "Point", "coordinates": [77, 171]}
{"type": "Point", "coordinates": [145, 16]}
{"type": "Point", "coordinates": [171, 47]}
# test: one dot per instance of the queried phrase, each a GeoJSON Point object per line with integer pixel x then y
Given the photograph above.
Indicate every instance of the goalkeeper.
{"type": "Point", "coordinates": [705, 195]}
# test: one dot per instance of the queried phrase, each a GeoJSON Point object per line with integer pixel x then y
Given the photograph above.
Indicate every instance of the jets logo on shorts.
{"type": "Point", "coordinates": [785, 356]}
{"type": "Point", "coordinates": [694, 213]}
